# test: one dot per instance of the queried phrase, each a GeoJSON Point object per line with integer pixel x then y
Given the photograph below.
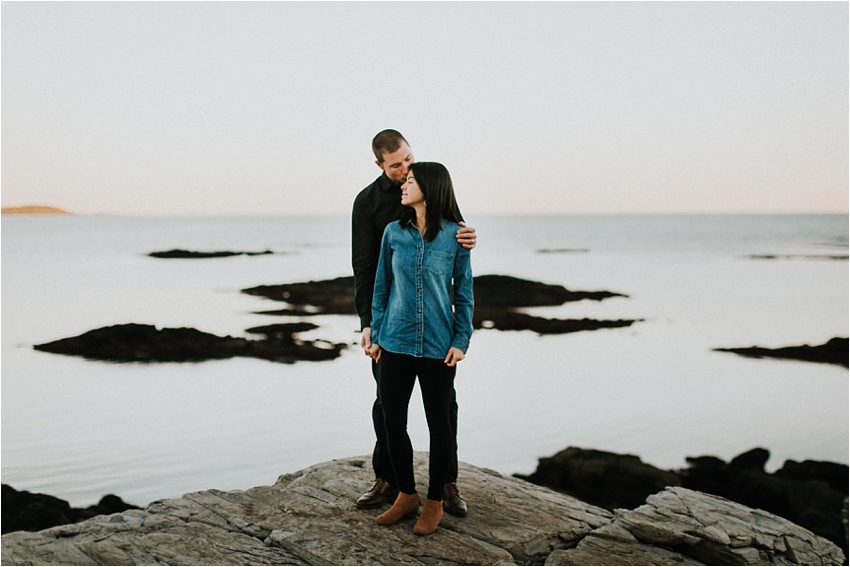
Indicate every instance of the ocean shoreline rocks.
{"type": "Point", "coordinates": [195, 255]}
{"type": "Point", "coordinates": [309, 518]}
{"type": "Point", "coordinates": [812, 493]}
{"type": "Point", "coordinates": [133, 342]}
{"type": "Point", "coordinates": [23, 510]}
{"type": "Point", "coordinates": [607, 480]}
{"type": "Point", "coordinates": [809, 257]}
{"type": "Point", "coordinates": [498, 299]}
{"type": "Point", "coordinates": [323, 297]}
{"type": "Point", "coordinates": [834, 351]}
{"type": "Point", "coordinates": [562, 250]}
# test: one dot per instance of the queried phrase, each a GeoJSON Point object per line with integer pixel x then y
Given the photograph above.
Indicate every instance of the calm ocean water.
{"type": "Point", "coordinates": [80, 429]}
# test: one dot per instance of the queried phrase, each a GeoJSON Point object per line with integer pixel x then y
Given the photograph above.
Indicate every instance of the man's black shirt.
{"type": "Point", "coordinates": [375, 207]}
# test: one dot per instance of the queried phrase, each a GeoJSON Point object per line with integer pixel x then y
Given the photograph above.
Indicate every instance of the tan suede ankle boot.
{"type": "Point", "coordinates": [429, 519]}
{"type": "Point", "coordinates": [404, 505]}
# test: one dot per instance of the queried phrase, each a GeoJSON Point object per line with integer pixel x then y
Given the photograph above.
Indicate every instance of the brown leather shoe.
{"type": "Point", "coordinates": [452, 502]}
{"type": "Point", "coordinates": [380, 492]}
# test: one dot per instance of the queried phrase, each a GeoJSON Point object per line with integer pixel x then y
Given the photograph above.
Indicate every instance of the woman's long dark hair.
{"type": "Point", "coordinates": [436, 185]}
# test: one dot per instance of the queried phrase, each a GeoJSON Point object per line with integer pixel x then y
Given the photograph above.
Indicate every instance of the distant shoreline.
{"type": "Point", "coordinates": [34, 210]}
{"type": "Point", "coordinates": [178, 214]}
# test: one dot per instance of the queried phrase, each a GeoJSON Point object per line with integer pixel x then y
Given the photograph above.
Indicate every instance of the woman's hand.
{"type": "Point", "coordinates": [466, 236]}
{"type": "Point", "coordinates": [374, 350]}
{"type": "Point", "coordinates": [455, 355]}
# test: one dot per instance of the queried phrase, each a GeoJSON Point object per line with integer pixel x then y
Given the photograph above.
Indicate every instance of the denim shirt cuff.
{"type": "Point", "coordinates": [461, 342]}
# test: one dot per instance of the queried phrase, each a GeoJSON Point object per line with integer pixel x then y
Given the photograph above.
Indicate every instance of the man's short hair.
{"type": "Point", "coordinates": [386, 142]}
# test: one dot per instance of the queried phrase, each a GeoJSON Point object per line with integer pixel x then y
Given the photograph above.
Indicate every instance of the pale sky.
{"type": "Point", "coordinates": [270, 107]}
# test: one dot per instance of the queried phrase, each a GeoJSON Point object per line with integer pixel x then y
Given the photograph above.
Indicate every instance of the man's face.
{"type": "Point", "coordinates": [397, 164]}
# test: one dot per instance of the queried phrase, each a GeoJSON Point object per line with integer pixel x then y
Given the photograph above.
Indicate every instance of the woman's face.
{"type": "Point", "coordinates": [411, 194]}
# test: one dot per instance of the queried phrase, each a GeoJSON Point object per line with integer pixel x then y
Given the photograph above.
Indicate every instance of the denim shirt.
{"type": "Point", "coordinates": [412, 302]}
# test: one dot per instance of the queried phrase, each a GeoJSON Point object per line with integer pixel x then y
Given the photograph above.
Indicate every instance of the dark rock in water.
{"type": "Point", "coordinates": [135, 342]}
{"type": "Point", "coordinates": [145, 343]}
{"type": "Point", "coordinates": [198, 255]}
{"type": "Point", "coordinates": [511, 292]}
{"type": "Point", "coordinates": [282, 330]}
{"type": "Point", "coordinates": [811, 494]}
{"type": "Point", "coordinates": [752, 460]}
{"type": "Point", "coordinates": [834, 351]}
{"type": "Point", "coordinates": [32, 512]}
{"type": "Point", "coordinates": [496, 300]}
{"type": "Point", "coordinates": [834, 474]}
{"type": "Point", "coordinates": [706, 462]}
{"type": "Point", "coordinates": [562, 250]}
{"type": "Point", "coordinates": [509, 320]}
{"type": "Point", "coordinates": [797, 257]}
{"type": "Point", "coordinates": [600, 478]}
{"type": "Point", "coordinates": [112, 504]}
{"type": "Point", "coordinates": [310, 298]}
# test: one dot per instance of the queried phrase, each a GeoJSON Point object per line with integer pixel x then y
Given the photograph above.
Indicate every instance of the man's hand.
{"type": "Point", "coordinates": [371, 349]}
{"type": "Point", "coordinates": [455, 355]}
{"type": "Point", "coordinates": [466, 236]}
{"type": "Point", "coordinates": [366, 338]}
{"type": "Point", "coordinates": [374, 351]}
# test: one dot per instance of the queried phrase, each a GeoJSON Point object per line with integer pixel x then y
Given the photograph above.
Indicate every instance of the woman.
{"type": "Point", "coordinates": [422, 270]}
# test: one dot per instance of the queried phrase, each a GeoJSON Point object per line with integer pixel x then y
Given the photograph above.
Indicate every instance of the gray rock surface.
{"type": "Point", "coordinates": [720, 532]}
{"type": "Point", "coordinates": [309, 518]}
{"type": "Point", "coordinates": [612, 544]}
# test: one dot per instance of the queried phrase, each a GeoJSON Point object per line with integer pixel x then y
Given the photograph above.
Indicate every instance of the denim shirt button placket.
{"type": "Point", "coordinates": [419, 297]}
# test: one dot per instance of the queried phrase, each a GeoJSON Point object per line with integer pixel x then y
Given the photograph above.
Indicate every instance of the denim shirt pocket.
{"type": "Point", "coordinates": [439, 263]}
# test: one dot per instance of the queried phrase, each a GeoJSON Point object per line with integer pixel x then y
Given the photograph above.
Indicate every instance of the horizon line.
{"type": "Point", "coordinates": [43, 209]}
{"type": "Point", "coordinates": [64, 212]}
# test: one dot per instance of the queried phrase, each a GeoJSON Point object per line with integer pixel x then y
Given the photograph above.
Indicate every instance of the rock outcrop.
{"type": "Point", "coordinates": [133, 342]}
{"type": "Point", "coordinates": [811, 494]}
{"type": "Point", "coordinates": [720, 532]}
{"type": "Point", "coordinates": [195, 255]}
{"type": "Point", "coordinates": [309, 518]}
{"type": "Point", "coordinates": [834, 351]}
{"type": "Point", "coordinates": [798, 257]}
{"type": "Point", "coordinates": [324, 297]}
{"type": "Point", "coordinates": [609, 480]}
{"type": "Point", "coordinates": [29, 511]}
{"type": "Point", "coordinates": [497, 299]}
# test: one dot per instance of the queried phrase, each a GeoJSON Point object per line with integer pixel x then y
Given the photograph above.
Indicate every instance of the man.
{"type": "Point", "coordinates": [375, 207]}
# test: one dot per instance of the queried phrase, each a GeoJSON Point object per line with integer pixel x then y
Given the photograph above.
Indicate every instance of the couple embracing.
{"type": "Point", "coordinates": [413, 292]}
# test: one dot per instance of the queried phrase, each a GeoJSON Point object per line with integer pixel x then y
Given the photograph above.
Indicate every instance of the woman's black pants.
{"type": "Point", "coordinates": [436, 382]}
